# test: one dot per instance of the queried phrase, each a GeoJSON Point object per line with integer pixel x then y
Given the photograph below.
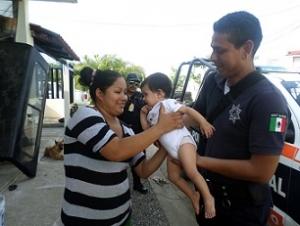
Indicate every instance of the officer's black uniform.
{"type": "Point", "coordinates": [238, 135]}
{"type": "Point", "coordinates": [131, 116]}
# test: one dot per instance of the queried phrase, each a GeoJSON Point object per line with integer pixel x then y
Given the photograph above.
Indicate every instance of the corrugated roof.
{"type": "Point", "coordinates": [52, 43]}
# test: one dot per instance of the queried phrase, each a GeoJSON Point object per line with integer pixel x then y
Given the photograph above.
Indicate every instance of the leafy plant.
{"type": "Point", "coordinates": [106, 62]}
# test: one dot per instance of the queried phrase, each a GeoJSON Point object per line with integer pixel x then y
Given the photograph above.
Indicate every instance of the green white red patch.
{"type": "Point", "coordinates": [277, 122]}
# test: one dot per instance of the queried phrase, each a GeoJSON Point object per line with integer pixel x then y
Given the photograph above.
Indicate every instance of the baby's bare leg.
{"type": "Point", "coordinates": [187, 157]}
{"type": "Point", "coordinates": [174, 174]}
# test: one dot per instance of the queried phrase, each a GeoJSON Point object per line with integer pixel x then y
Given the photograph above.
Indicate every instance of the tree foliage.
{"type": "Point", "coordinates": [195, 75]}
{"type": "Point", "coordinates": [106, 62]}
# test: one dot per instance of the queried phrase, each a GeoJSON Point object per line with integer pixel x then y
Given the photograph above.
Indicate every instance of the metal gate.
{"type": "Point", "coordinates": [55, 88]}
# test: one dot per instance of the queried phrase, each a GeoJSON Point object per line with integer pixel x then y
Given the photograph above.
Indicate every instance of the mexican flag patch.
{"type": "Point", "coordinates": [277, 122]}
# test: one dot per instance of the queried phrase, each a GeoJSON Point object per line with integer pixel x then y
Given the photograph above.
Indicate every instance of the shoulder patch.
{"type": "Point", "coordinates": [277, 122]}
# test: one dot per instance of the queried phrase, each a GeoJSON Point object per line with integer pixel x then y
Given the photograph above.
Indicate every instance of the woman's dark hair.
{"type": "Point", "coordinates": [97, 79]}
{"type": "Point", "coordinates": [240, 26]}
{"type": "Point", "coordinates": [158, 81]}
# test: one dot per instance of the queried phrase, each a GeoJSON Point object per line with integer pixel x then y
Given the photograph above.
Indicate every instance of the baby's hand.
{"type": "Point", "coordinates": [207, 129]}
{"type": "Point", "coordinates": [145, 109]}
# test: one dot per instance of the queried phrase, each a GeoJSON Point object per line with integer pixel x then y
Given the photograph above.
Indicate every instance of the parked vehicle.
{"type": "Point", "coordinates": [187, 97]}
{"type": "Point", "coordinates": [285, 183]}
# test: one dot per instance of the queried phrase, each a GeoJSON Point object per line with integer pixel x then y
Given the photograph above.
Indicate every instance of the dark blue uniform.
{"type": "Point", "coordinates": [131, 114]}
{"type": "Point", "coordinates": [245, 127]}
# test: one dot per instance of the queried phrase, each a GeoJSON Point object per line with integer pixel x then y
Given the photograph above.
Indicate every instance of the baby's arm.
{"type": "Point", "coordinates": [143, 117]}
{"type": "Point", "coordinates": [206, 128]}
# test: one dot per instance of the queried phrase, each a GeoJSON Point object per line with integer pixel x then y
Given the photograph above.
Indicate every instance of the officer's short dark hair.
{"type": "Point", "coordinates": [240, 26]}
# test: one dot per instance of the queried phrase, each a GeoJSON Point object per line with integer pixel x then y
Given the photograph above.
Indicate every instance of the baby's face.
{"type": "Point", "coordinates": [151, 98]}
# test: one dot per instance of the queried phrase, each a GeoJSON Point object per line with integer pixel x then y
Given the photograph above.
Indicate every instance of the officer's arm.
{"type": "Point", "coordinates": [259, 168]}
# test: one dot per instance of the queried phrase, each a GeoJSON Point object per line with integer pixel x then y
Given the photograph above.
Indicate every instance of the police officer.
{"type": "Point", "coordinates": [131, 116]}
{"type": "Point", "coordinates": [243, 153]}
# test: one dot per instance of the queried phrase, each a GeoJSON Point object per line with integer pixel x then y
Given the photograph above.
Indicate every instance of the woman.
{"type": "Point", "coordinates": [99, 148]}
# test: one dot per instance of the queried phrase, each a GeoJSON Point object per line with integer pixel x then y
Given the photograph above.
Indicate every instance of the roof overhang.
{"type": "Point", "coordinates": [52, 44]}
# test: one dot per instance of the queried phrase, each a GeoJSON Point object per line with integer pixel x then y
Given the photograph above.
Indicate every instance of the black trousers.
{"type": "Point", "coordinates": [135, 177]}
{"type": "Point", "coordinates": [241, 212]}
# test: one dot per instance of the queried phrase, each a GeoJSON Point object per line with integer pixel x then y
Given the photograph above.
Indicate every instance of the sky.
{"type": "Point", "coordinates": [160, 34]}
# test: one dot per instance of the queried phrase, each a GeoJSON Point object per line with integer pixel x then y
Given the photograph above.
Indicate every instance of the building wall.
{"type": "Point", "coordinates": [54, 108]}
{"type": "Point", "coordinates": [296, 63]}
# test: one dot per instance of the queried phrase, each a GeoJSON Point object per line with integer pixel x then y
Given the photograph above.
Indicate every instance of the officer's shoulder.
{"type": "Point", "coordinates": [138, 95]}
{"type": "Point", "coordinates": [211, 77]}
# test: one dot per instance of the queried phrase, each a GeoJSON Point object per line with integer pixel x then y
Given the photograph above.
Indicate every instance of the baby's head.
{"type": "Point", "coordinates": [156, 87]}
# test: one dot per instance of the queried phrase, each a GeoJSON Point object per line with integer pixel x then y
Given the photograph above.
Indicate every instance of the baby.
{"type": "Point", "coordinates": [181, 148]}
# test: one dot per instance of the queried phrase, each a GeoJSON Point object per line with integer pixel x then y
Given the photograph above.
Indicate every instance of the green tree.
{"type": "Point", "coordinates": [195, 75]}
{"type": "Point", "coordinates": [106, 62]}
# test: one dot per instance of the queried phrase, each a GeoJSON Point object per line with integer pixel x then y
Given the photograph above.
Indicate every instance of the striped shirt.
{"type": "Point", "coordinates": [97, 190]}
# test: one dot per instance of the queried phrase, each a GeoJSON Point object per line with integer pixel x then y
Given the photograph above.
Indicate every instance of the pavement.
{"type": "Point", "coordinates": [37, 201]}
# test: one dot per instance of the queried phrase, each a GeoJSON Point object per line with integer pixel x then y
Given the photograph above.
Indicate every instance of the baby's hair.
{"type": "Point", "coordinates": [158, 81]}
{"type": "Point", "coordinates": [97, 79]}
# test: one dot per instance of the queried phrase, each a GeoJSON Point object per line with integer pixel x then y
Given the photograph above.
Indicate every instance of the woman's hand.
{"type": "Point", "coordinates": [170, 121]}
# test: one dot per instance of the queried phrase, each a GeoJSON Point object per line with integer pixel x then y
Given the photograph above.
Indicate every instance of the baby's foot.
{"type": "Point", "coordinates": [195, 202]}
{"type": "Point", "coordinates": [210, 210]}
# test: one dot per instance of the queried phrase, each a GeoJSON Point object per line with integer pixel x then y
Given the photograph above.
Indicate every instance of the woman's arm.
{"type": "Point", "coordinates": [149, 166]}
{"type": "Point", "coordinates": [120, 149]}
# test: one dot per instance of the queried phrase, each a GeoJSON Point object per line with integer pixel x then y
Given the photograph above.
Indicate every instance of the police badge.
{"type": "Point", "coordinates": [131, 107]}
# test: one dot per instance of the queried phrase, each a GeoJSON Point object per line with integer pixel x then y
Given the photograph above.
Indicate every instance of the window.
{"type": "Point", "coordinates": [8, 19]}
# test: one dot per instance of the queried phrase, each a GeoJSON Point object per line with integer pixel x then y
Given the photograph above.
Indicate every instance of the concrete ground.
{"type": "Point", "coordinates": [37, 201]}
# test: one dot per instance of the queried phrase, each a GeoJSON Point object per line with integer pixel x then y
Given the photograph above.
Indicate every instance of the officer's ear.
{"type": "Point", "coordinates": [248, 48]}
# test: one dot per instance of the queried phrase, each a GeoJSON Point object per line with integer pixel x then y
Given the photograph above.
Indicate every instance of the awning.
{"type": "Point", "coordinates": [51, 44]}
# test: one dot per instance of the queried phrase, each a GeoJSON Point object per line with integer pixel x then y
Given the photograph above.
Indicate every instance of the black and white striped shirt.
{"type": "Point", "coordinates": [97, 190]}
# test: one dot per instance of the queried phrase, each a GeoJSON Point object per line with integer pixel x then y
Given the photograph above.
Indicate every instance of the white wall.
{"type": "Point", "coordinates": [55, 108]}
